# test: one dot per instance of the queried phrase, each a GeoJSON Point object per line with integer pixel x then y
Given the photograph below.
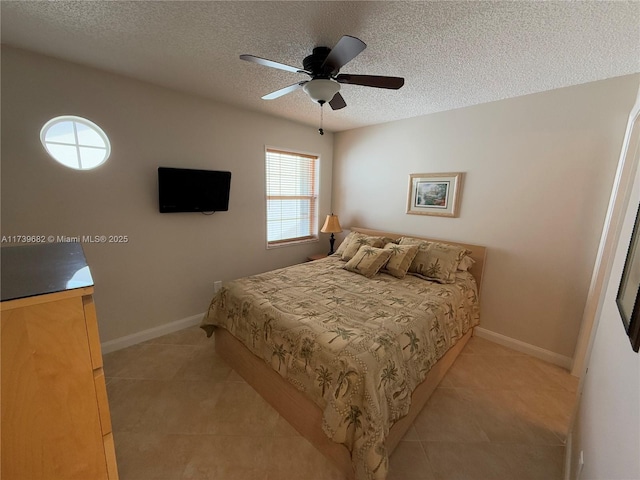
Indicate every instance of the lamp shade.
{"type": "Point", "coordinates": [321, 90]}
{"type": "Point", "coordinates": [331, 225]}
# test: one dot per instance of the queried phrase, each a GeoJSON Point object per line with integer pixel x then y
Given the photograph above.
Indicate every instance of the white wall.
{"type": "Point", "coordinates": [607, 422]}
{"type": "Point", "coordinates": [539, 170]}
{"type": "Point", "coordinates": [167, 269]}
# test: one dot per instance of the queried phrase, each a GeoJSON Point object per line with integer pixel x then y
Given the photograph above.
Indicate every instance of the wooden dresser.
{"type": "Point", "coordinates": [55, 415]}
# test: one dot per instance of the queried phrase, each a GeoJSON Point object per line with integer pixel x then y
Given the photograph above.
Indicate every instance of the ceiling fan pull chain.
{"type": "Point", "coordinates": [321, 118]}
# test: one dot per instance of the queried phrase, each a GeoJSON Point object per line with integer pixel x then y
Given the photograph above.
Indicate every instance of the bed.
{"type": "Point", "coordinates": [348, 358]}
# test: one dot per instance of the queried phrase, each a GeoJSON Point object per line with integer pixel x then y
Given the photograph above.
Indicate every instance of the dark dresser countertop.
{"type": "Point", "coordinates": [32, 270]}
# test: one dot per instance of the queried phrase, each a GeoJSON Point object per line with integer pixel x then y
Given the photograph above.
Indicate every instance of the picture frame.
{"type": "Point", "coordinates": [627, 297]}
{"type": "Point", "coordinates": [434, 194]}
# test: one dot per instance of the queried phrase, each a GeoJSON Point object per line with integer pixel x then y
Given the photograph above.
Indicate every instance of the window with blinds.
{"type": "Point", "coordinates": [291, 197]}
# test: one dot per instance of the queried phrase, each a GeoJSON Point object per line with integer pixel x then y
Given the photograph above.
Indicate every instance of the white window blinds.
{"type": "Point", "coordinates": [291, 197]}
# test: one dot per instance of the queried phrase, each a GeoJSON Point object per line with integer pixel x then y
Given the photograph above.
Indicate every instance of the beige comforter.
{"type": "Point", "coordinates": [356, 346]}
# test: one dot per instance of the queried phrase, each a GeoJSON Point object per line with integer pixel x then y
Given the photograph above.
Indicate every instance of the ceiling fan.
{"type": "Point", "coordinates": [323, 66]}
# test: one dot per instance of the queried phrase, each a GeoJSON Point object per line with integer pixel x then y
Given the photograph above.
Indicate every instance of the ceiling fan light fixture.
{"type": "Point", "coordinates": [321, 90]}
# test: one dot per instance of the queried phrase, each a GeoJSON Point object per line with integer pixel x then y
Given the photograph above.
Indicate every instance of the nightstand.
{"type": "Point", "coordinates": [317, 256]}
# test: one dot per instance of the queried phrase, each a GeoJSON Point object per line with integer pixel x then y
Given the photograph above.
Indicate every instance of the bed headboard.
{"type": "Point", "coordinates": [478, 252]}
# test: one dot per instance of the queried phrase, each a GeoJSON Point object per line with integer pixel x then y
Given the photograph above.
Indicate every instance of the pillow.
{"type": "Point", "coordinates": [435, 261]}
{"type": "Point", "coordinates": [368, 260]}
{"type": "Point", "coordinates": [400, 259]}
{"type": "Point", "coordinates": [466, 263]}
{"type": "Point", "coordinates": [357, 241]}
{"type": "Point", "coordinates": [345, 242]}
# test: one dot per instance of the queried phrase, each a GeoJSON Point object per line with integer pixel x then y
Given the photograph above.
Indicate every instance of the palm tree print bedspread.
{"type": "Point", "coordinates": [356, 346]}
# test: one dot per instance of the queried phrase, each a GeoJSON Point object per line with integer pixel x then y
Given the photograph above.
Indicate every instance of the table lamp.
{"type": "Point", "coordinates": [331, 225]}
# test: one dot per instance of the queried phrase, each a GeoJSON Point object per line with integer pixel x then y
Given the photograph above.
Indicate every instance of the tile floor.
{"type": "Point", "coordinates": [179, 412]}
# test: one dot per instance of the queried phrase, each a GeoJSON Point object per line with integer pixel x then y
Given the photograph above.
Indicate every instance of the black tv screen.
{"type": "Point", "coordinates": [188, 190]}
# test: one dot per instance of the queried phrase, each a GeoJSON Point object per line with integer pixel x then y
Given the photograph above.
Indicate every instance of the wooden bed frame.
{"type": "Point", "coordinates": [304, 415]}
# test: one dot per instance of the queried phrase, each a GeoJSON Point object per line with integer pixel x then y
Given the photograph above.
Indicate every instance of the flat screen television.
{"type": "Point", "coordinates": [189, 190]}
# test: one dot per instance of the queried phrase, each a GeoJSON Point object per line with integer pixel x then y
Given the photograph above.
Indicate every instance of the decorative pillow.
{"type": "Point", "coordinates": [357, 241]}
{"type": "Point", "coordinates": [344, 244]}
{"type": "Point", "coordinates": [390, 240]}
{"type": "Point", "coordinates": [400, 259]}
{"type": "Point", "coordinates": [435, 261]}
{"type": "Point", "coordinates": [466, 263]}
{"type": "Point", "coordinates": [368, 260]}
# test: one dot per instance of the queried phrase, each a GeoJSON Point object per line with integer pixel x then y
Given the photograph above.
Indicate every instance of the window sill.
{"type": "Point", "coordinates": [292, 243]}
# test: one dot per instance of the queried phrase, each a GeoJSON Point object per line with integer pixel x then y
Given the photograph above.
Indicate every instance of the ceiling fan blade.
{"type": "Point", "coordinates": [272, 64]}
{"type": "Point", "coordinates": [283, 91]}
{"type": "Point", "coordinates": [393, 83]}
{"type": "Point", "coordinates": [345, 50]}
{"type": "Point", "coordinates": [337, 102]}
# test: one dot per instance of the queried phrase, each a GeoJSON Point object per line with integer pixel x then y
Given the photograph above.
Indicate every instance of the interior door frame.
{"type": "Point", "coordinates": [623, 183]}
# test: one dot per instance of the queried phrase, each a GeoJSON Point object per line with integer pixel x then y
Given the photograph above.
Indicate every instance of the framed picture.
{"type": "Point", "coordinates": [434, 194]}
{"type": "Point", "coordinates": [627, 298]}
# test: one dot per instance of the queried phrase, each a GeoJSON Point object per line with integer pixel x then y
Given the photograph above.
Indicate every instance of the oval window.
{"type": "Point", "coordinates": [75, 142]}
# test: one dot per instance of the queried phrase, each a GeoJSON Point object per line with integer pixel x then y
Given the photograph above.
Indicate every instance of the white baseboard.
{"type": "Point", "coordinates": [139, 337]}
{"type": "Point", "coordinates": [541, 353]}
{"type": "Point", "coordinates": [143, 336]}
{"type": "Point", "coordinates": [567, 456]}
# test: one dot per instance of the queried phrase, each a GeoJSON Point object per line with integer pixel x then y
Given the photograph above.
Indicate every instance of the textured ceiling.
{"type": "Point", "coordinates": [452, 54]}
